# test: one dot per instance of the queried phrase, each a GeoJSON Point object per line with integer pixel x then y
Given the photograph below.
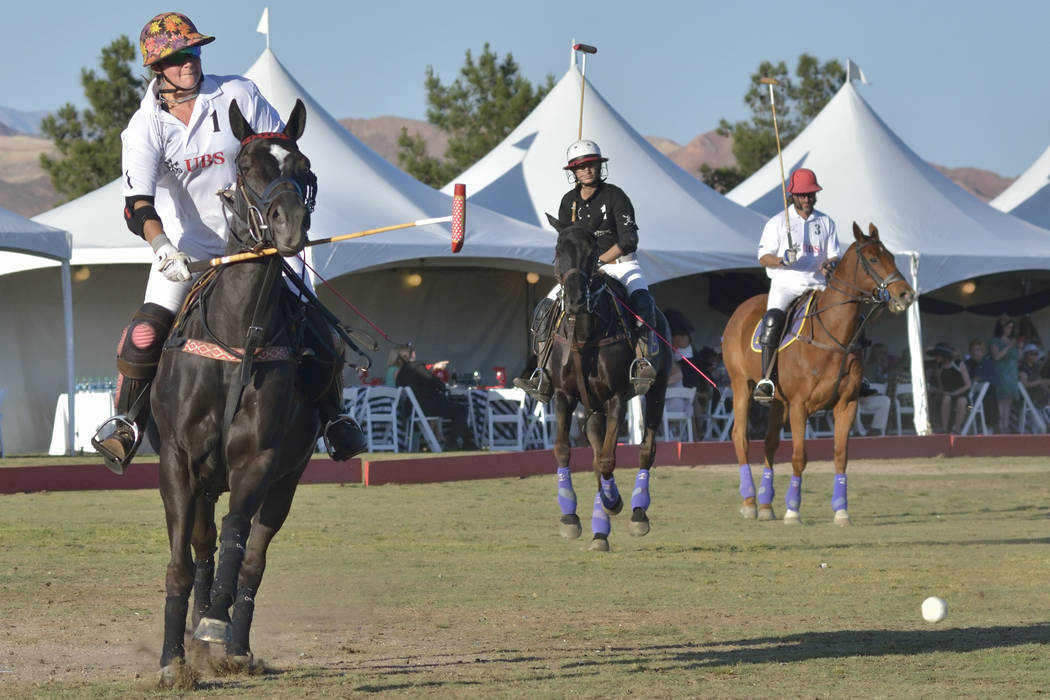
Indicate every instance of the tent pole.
{"type": "Point", "coordinates": [67, 307]}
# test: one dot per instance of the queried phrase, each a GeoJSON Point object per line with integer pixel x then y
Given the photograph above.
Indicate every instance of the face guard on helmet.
{"type": "Point", "coordinates": [168, 33]}
{"type": "Point", "coordinates": [581, 152]}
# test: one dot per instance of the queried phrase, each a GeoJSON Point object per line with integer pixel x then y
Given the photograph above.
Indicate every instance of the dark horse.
{"type": "Point", "coordinates": [821, 368]}
{"type": "Point", "coordinates": [592, 350]}
{"type": "Point", "coordinates": [244, 425]}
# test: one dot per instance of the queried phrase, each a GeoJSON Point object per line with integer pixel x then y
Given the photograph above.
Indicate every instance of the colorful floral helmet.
{"type": "Point", "coordinates": [168, 33]}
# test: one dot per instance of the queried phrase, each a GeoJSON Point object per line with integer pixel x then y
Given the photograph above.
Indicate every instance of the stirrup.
{"type": "Point", "coordinates": [118, 426]}
{"type": "Point", "coordinates": [764, 391]}
{"type": "Point", "coordinates": [641, 374]}
{"type": "Point", "coordinates": [348, 451]}
{"type": "Point", "coordinates": [534, 385]}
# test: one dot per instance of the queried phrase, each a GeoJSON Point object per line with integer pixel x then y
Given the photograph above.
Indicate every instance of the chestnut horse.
{"type": "Point", "coordinates": [589, 360]}
{"type": "Point", "coordinates": [821, 368]}
{"type": "Point", "coordinates": [244, 426]}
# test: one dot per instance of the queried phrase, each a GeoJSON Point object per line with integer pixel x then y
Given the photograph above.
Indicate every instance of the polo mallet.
{"type": "Point", "coordinates": [458, 219]}
{"type": "Point", "coordinates": [780, 156]}
{"type": "Point", "coordinates": [584, 49]}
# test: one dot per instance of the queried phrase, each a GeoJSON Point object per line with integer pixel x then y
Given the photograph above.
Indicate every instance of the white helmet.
{"type": "Point", "coordinates": [584, 151]}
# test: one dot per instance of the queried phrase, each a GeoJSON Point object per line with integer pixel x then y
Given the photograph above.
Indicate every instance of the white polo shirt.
{"type": "Point", "coordinates": [816, 240]}
{"type": "Point", "coordinates": [184, 166]}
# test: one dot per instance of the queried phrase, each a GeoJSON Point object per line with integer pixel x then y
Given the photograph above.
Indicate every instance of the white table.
{"type": "Point", "coordinates": [92, 407]}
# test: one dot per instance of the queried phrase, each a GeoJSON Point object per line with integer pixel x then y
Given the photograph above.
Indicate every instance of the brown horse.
{"type": "Point", "coordinates": [592, 350]}
{"type": "Point", "coordinates": [821, 368]}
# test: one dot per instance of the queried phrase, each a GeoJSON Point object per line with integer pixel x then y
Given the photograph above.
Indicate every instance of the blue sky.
{"type": "Point", "coordinates": [962, 83]}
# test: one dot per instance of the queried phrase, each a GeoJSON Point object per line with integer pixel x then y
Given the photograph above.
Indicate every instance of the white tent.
{"type": "Point", "coordinates": [31, 354]}
{"type": "Point", "coordinates": [940, 232]}
{"type": "Point", "coordinates": [684, 226]}
{"type": "Point", "coordinates": [1028, 197]}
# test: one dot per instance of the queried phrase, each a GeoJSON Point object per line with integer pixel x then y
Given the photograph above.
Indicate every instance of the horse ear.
{"type": "Point", "coordinates": [240, 126]}
{"type": "Point", "coordinates": [857, 233]}
{"type": "Point", "coordinates": [558, 225]}
{"type": "Point", "coordinates": [297, 122]}
{"type": "Point", "coordinates": [873, 231]}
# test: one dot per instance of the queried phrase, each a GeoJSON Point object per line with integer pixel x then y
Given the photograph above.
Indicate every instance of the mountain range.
{"type": "Point", "coordinates": [26, 189]}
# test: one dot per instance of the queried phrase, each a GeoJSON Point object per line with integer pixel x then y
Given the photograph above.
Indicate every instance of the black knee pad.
{"type": "Point", "coordinates": [772, 324]}
{"type": "Point", "coordinates": [143, 341]}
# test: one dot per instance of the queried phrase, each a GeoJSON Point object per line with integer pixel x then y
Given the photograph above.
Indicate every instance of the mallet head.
{"type": "Point", "coordinates": [769, 81]}
{"type": "Point", "coordinates": [586, 48]}
{"type": "Point", "coordinates": [459, 216]}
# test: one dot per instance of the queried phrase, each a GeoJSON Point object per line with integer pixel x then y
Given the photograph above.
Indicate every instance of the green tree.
{"type": "Point", "coordinates": [799, 99]}
{"type": "Point", "coordinates": [89, 143]}
{"type": "Point", "coordinates": [477, 111]}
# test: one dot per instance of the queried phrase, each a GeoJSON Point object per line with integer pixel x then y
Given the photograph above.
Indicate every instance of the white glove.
{"type": "Point", "coordinates": [790, 256]}
{"type": "Point", "coordinates": [172, 262]}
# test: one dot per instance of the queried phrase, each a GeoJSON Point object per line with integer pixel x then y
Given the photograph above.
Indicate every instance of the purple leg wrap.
{"type": "Point", "coordinates": [609, 493]}
{"type": "Point", "coordinates": [566, 496]}
{"type": "Point", "coordinates": [600, 524]}
{"type": "Point", "coordinates": [640, 495]}
{"type": "Point", "coordinates": [765, 490]}
{"type": "Point", "coordinates": [747, 484]}
{"type": "Point", "coordinates": [794, 495]}
{"type": "Point", "coordinates": [838, 495]}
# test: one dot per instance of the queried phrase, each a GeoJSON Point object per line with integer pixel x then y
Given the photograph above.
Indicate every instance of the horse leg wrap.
{"type": "Point", "coordinates": [640, 496]}
{"type": "Point", "coordinates": [747, 484]}
{"type": "Point", "coordinates": [794, 494]}
{"type": "Point", "coordinates": [231, 553]}
{"type": "Point", "coordinates": [566, 494]}
{"type": "Point", "coordinates": [175, 607]}
{"type": "Point", "coordinates": [610, 494]}
{"type": "Point", "coordinates": [765, 489]}
{"type": "Point", "coordinates": [243, 611]}
{"type": "Point", "coordinates": [838, 493]}
{"type": "Point", "coordinates": [600, 523]}
{"type": "Point", "coordinates": [203, 576]}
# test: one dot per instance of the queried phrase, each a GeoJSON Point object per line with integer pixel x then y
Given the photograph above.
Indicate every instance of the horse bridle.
{"type": "Point", "coordinates": [590, 294]}
{"type": "Point", "coordinates": [880, 294]}
{"type": "Point", "coordinates": [258, 206]}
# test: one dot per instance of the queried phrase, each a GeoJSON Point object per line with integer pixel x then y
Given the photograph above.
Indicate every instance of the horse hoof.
{"type": "Point", "coordinates": [639, 525]}
{"type": "Point", "coordinates": [213, 631]}
{"type": "Point", "coordinates": [749, 512]}
{"type": "Point", "coordinates": [791, 518]}
{"type": "Point", "coordinates": [842, 518]}
{"type": "Point", "coordinates": [570, 527]}
{"type": "Point", "coordinates": [599, 544]}
{"type": "Point", "coordinates": [766, 514]}
{"type": "Point", "coordinates": [241, 662]}
{"type": "Point", "coordinates": [177, 675]}
{"type": "Point", "coordinates": [616, 508]}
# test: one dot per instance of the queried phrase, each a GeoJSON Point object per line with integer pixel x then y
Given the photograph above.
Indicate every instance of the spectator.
{"type": "Point", "coordinates": [978, 362]}
{"type": "Point", "coordinates": [1030, 375]}
{"type": "Point", "coordinates": [949, 388]}
{"type": "Point", "coordinates": [433, 398]}
{"type": "Point", "coordinates": [682, 344]}
{"type": "Point", "coordinates": [877, 367]}
{"type": "Point", "coordinates": [870, 400]}
{"type": "Point", "coordinates": [1004, 352]}
{"type": "Point", "coordinates": [393, 366]}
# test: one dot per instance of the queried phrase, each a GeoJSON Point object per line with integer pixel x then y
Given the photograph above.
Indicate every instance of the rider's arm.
{"type": "Point", "coordinates": [621, 214]}
{"type": "Point", "coordinates": [610, 255]}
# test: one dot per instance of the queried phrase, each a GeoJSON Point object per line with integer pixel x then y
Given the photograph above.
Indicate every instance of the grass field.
{"type": "Point", "coordinates": [465, 589]}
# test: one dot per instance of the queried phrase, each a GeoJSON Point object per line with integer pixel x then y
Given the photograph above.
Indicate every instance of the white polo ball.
{"type": "Point", "coordinates": [934, 609]}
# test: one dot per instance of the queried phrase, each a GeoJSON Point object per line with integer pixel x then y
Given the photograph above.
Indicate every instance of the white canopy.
{"type": "Point", "coordinates": [685, 227]}
{"type": "Point", "coordinates": [870, 175]}
{"type": "Point", "coordinates": [1028, 197]}
{"type": "Point", "coordinates": [22, 347]}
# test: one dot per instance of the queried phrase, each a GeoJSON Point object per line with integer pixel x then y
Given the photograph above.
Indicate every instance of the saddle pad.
{"type": "Point", "coordinates": [796, 322]}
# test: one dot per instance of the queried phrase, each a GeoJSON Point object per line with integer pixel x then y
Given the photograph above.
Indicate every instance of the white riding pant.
{"type": "Point", "coordinates": [625, 270]}
{"type": "Point", "coordinates": [781, 294]}
{"type": "Point", "coordinates": [162, 291]}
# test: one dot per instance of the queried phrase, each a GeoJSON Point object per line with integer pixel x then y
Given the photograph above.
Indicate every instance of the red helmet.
{"type": "Point", "coordinates": [168, 33]}
{"type": "Point", "coordinates": [803, 181]}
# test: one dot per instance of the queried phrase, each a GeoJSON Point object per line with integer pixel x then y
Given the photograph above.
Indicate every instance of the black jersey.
{"type": "Point", "coordinates": [608, 212]}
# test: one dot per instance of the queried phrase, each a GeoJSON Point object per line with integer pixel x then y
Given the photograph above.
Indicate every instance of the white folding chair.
{"type": "Point", "coordinates": [414, 419]}
{"type": "Point", "coordinates": [821, 423]}
{"type": "Point", "coordinates": [905, 407]}
{"type": "Point", "coordinates": [720, 416]}
{"type": "Point", "coordinates": [379, 418]}
{"type": "Point", "coordinates": [678, 414]}
{"type": "Point", "coordinates": [975, 416]}
{"type": "Point", "coordinates": [542, 426]}
{"type": "Point", "coordinates": [1029, 411]}
{"type": "Point", "coordinates": [505, 419]}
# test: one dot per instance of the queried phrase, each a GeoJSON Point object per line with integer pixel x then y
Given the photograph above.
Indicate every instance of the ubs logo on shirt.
{"type": "Point", "coordinates": [203, 161]}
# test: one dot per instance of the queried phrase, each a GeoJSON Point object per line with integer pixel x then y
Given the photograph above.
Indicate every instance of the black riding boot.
{"type": "Point", "coordinates": [769, 338]}
{"type": "Point", "coordinates": [642, 373]}
{"type": "Point", "coordinates": [119, 437]}
{"type": "Point", "coordinates": [539, 386]}
{"type": "Point", "coordinates": [323, 376]}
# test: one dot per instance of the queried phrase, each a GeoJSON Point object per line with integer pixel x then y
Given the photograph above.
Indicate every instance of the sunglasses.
{"type": "Point", "coordinates": [180, 57]}
{"type": "Point", "coordinates": [806, 195]}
